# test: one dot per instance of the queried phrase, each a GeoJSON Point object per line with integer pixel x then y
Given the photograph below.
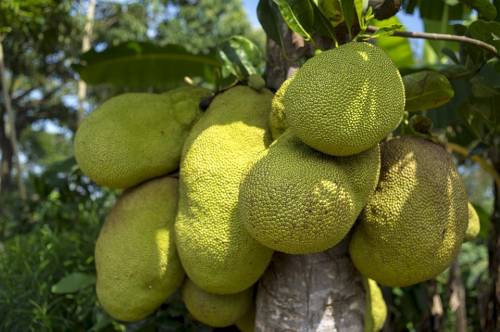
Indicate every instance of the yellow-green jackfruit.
{"type": "Point", "coordinates": [473, 225]}
{"type": "Point", "coordinates": [247, 322]}
{"type": "Point", "coordinates": [256, 82]}
{"type": "Point", "coordinates": [216, 251]}
{"type": "Point", "coordinates": [215, 310]}
{"type": "Point", "coordinates": [344, 101]}
{"type": "Point", "coordinates": [413, 225]}
{"type": "Point", "coordinates": [136, 259]}
{"type": "Point", "coordinates": [297, 200]}
{"type": "Point", "coordinates": [375, 307]}
{"type": "Point", "coordinates": [277, 118]}
{"type": "Point", "coordinates": [136, 136]}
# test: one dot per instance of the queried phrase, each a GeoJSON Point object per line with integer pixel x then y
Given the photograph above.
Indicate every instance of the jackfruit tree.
{"type": "Point", "coordinates": [285, 202]}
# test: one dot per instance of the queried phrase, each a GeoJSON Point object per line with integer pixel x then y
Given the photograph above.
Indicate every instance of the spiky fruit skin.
{"type": "Point", "coordinates": [473, 225]}
{"type": "Point", "coordinates": [215, 310]}
{"type": "Point", "coordinates": [134, 137]}
{"type": "Point", "coordinates": [136, 259]}
{"type": "Point", "coordinates": [375, 307]}
{"type": "Point", "coordinates": [216, 251]}
{"type": "Point", "coordinates": [414, 223]}
{"type": "Point", "coordinates": [344, 101]}
{"type": "Point", "coordinates": [277, 118]}
{"type": "Point", "coordinates": [297, 200]}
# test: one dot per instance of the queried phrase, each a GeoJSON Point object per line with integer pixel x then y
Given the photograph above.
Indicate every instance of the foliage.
{"type": "Point", "coordinates": [147, 65]}
{"type": "Point", "coordinates": [62, 222]}
{"type": "Point", "coordinates": [202, 26]}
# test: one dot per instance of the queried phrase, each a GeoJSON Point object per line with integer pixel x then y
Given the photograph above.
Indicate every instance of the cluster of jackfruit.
{"type": "Point", "coordinates": [293, 172]}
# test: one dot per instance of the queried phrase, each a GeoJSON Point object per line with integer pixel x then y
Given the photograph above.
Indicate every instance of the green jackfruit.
{"type": "Point", "coordinates": [247, 322]}
{"type": "Point", "coordinates": [375, 307]}
{"type": "Point", "coordinates": [136, 259]}
{"type": "Point", "coordinates": [413, 225]}
{"type": "Point", "coordinates": [136, 136]}
{"type": "Point", "coordinates": [344, 101]}
{"type": "Point", "coordinates": [215, 249]}
{"type": "Point", "coordinates": [214, 309]}
{"type": "Point", "coordinates": [277, 117]}
{"type": "Point", "coordinates": [256, 82]}
{"type": "Point", "coordinates": [473, 225]}
{"type": "Point", "coordinates": [297, 200]}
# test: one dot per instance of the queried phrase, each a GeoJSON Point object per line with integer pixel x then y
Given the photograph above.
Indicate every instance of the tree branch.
{"type": "Point", "coordinates": [82, 86]}
{"type": "Point", "coordinates": [10, 125]}
{"type": "Point", "coordinates": [440, 36]}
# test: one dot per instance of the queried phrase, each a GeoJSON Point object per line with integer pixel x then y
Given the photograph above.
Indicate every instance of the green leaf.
{"type": "Point", "coordinates": [326, 19]}
{"type": "Point", "coordinates": [349, 12]}
{"type": "Point", "coordinates": [73, 282]}
{"type": "Point", "coordinates": [485, 9]}
{"type": "Point", "coordinates": [481, 118]}
{"type": "Point", "coordinates": [488, 32]}
{"type": "Point", "coordinates": [268, 15]}
{"type": "Point", "coordinates": [298, 15]}
{"type": "Point", "coordinates": [426, 90]}
{"type": "Point", "coordinates": [359, 6]}
{"type": "Point", "coordinates": [241, 58]}
{"type": "Point", "coordinates": [331, 10]}
{"type": "Point", "coordinates": [140, 65]}
{"type": "Point", "coordinates": [398, 49]}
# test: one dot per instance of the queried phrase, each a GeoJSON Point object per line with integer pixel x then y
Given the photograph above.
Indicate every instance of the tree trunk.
{"type": "Point", "coordinates": [87, 34]}
{"type": "Point", "coordinates": [431, 320]}
{"type": "Point", "coordinates": [10, 127]}
{"type": "Point", "coordinates": [493, 320]}
{"type": "Point", "coordinates": [316, 292]}
{"type": "Point", "coordinates": [457, 297]}
{"type": "Point", "coordinates": [6, 162]}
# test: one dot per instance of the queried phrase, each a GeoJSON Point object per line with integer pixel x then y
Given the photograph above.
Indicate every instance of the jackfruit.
{"type": "Point", "coordinates": [136, 136]}
{"type": "Point", "coordinates": [214, 309]}
{"type": "Point", "coordinates": [297, 200]}
{"type": "Point", "coordinates": [215, 249]}
{"type": "Point", "coordinates": [247, 322]}
{"type": "Point", "coordinates": [256, 82]}
{"type": "Point", "coordinates": [277, 118]}
{"type": "Point", "coordinates": [375, 307]}
{"type": "Point", "coordinates": [413, 225]}
{"type": "Point", "coordinates": [135, 255]}
{"type": "Point", "coordinates": [473, 224]}
{"type": "Point", "coordinates": [345, 100]}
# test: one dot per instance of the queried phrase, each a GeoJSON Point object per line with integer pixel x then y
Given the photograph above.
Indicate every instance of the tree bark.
{"type": "Point", "coordinates": [6, 162]}
{"type": "Point", "coordinates": [493, 320]}
{"type": "Point", "coordinates": [457, 297]}
{"type": "Point", "coordinates": [10, 126]}
{"type": "Point", "coordinates": [431, 321]}
{"type": "Point", "coordinates": [87, 35]}
{"type": "Point", "coordinates": [316, 292]}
